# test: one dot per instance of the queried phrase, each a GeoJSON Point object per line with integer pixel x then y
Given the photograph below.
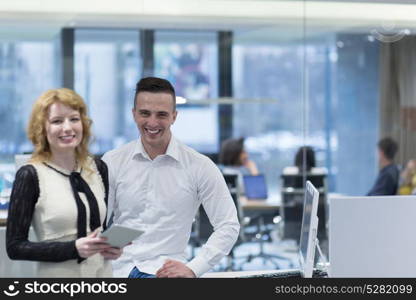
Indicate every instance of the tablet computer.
{"type": "Point", "coordinates": [119, 236]}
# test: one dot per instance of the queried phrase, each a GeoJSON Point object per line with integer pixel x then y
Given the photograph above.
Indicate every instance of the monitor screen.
{"type": "Point", "coordinates": [255, 186]}
{"type": "Point", "coordinates": [309, 230]}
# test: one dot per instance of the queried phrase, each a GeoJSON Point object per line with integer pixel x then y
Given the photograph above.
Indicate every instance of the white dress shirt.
{"type": "Point", "coordinates": [161, 197]}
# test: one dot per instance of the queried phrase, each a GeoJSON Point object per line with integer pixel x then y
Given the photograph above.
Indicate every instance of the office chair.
{"type": "Point", "coordinates": [253, 229]}
{"type": "Point", "coordinates": [291, 208]}
{"type": "Point", "coordinates": [257, 230]}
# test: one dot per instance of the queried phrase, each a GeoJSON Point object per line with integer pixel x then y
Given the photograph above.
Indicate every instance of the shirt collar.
{"type": "Point", "coordinates": [139, 150]}
{"type": "Point", "coordinates": [171, 151]}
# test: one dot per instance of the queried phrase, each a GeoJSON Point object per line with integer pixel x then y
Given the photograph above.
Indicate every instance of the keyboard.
{"type": "Point", "coordinates": [289, 274]}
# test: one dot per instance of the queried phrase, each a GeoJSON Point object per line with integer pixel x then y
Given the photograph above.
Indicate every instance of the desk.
{"type": "Point", "coordinates": [261, 208]}
{"type": "Point", "coordinates": [3, 217]}
{"type": "Point", "coordinates": [237, 274]}
{"type": "Point", "coordinates": [258, 204]}
{"type": "Point", "coordinates": [255, 208]}
{"type": "Point", "coordinates": [15, 268]}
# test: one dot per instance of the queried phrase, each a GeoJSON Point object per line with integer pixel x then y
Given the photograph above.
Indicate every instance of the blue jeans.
{"type": "Point", "coordinates": [136, 273]}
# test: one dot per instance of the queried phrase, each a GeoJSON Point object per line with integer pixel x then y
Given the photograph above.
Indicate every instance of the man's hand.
{"type": "Point", "coordinates": [174, 269]}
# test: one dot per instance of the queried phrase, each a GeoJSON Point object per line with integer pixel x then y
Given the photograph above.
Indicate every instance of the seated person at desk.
{"type": "Point", "coordinates": [305, 159]}
{"type": "Point", "coordinates": [408, 178]}
{"type": "Point", "coordinates": [304, 162]}
{"type": "Point", "coordinates": [388, 177]}
{"type": "Point", "coordinates": [234, 160]}
{"type": "Point", "coordinates": [293, 189]}
{"type": "Point", "coordinates": [62, 192]}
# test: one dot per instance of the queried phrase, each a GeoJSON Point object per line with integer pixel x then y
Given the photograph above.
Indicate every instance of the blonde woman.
{"type": "Point", "coordinates": [62, 192]}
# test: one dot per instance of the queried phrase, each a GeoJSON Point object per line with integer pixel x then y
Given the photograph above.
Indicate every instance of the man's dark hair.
{"type": "Point", "coordinates": [305, 159]}
{"type": "Point", "coordinates": [155, 85]}
{"type": "Point", "coordinates": [389, 147]}
{"type": "Point", "coordinates": [230, 152]}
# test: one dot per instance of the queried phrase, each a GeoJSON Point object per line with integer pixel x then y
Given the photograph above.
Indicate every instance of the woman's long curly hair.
{"type": "Point", "coordinates": [36, 130]}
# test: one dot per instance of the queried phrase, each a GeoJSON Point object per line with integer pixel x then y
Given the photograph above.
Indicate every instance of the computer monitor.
{"type": "Point", "coordinates": [255, 186]}
{"type": "Point", "coordinates": [309, 230]}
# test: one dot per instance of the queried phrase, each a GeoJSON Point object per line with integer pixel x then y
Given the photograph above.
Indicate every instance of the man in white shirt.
{"type": "Point", "coordinates": [157, 184]}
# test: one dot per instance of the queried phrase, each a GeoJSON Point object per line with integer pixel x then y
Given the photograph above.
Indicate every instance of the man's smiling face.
{"type": "Point", "coordinates": [154, 114]}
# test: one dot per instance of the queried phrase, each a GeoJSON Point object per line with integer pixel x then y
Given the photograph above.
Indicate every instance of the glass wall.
{"type": "Point", "coordinates": [321, 91]}
{"type": "Point", "coordinates": [107, 67]}
{"type": "Point", "coordinates": [273, 124]}
{"type": "Point", "coordinates": [188, 59]}
{"type": "Point", "coordinates": [355, 113]}
{"type": "Point", "coordinates": [309, 92]}
{"type": "Point", "coordinates": [27, 68]}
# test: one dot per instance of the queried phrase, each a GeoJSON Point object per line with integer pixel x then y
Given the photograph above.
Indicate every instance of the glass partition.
{"type": "Point", "coordinates": [310, 79]}
{"type": "Point", "coordinates": [189, 59]}
{"type": "Point", "coordinates": [270, 74]}
{"type": "Point", "coordinates": [107, 67]}
{"type": "Point", "coordinates": [27, 68]}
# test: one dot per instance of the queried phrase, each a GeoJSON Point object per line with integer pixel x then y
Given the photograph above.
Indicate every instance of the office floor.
{"type": "Point", "coordinates": [284, 248]}
{"type": "Point", "coordinates": [287, 249]}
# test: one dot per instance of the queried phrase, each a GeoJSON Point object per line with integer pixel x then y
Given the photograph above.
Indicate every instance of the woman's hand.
{"type": "Point", "coordinates": [91, 244]}
{"type": "Point", "coordinates": [251, 166]}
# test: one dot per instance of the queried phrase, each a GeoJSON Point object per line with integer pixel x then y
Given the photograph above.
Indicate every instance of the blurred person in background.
{"type": "Point", "coordinates": [233, 156]}
{"type": "Point", "coordinates": [304, 162]}
{"type": "Point", "coordinates": [388, 178]}
{"type": "Point", "coordinates": [408, 178]}
{"type": "Point", "coordinates": [305, 159]}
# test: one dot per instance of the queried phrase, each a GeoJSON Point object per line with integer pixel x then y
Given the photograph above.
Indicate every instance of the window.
{"type": "Point", "coordinates": [325, 97]}
{"type": "Point", "coordinates": [27, 69]}
{"type": "Point", "coordinates": [107, 68]}
{"type": "Point", "coordinates": [189, 61]}
{"type": "Point", "coordinates": [272, 125]}
{"type": "Point", "coordinates": [355, 114]}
